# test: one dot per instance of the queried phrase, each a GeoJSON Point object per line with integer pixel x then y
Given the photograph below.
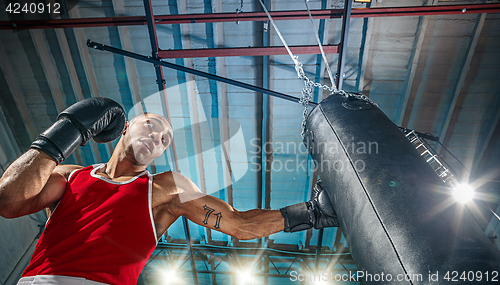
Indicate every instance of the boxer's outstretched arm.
{"type": "Point", "coordinates": [216, 214]}
{"type": "Point", "coordinates": [213, 213]}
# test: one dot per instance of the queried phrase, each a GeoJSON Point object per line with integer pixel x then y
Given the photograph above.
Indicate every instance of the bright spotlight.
{"type": "Point", "coordinates": [170, 277]}
{"type": "Point", "coordinates": [463, 193]}
{"type": "Point", "coordinates": [321, 282]}
{"type": "Point", "coordinates": [320, 279]}
{"type": "Point", "coordinates": [245, 277]}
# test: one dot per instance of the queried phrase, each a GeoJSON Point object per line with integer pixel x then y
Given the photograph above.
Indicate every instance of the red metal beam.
{"type": "Point", "coordinates": [244, 51]}
{"type": "Point", "coordinates": [252, 16]}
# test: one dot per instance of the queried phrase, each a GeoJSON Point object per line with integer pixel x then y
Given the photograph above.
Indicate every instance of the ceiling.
{"type": "Point", "coordinates": [436, 72]}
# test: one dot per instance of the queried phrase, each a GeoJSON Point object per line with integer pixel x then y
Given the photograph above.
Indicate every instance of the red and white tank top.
{"type": "Point", "coordinates": [101, 230]}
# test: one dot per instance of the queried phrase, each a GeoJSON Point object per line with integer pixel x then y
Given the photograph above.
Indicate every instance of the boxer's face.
{"type": "Point", "coordinates": [146, 138]}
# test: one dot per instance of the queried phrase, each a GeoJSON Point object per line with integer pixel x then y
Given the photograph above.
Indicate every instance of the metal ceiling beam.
{"type": "Point", "coordinates": [343, 43]}
{"type": "Point", "coordinates": [245, 51]}
{"type": "Point", "coordinates": [257, 251]}
{"type": "Point", "coordinates": [161, 87]}
{"type": "Point", "coordinates": [229, 260]}
{"type": "Point", "coordinates": [251, 16]}
{"type": "Point", "coordinates": [193, 71]}
{"type": "Point", "coordinates": [215, 258]}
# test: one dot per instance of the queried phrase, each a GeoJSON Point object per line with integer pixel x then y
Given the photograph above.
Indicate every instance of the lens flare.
{"type": "Point", "coordinates": [170, 277]}
{"type": "Point", "coordinates": [245, 277]}
{"type": "Point", "coordinates": [463, 193]}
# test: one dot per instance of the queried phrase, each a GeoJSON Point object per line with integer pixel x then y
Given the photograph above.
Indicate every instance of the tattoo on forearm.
{"type": "Point", "coordinates": [207, 215]}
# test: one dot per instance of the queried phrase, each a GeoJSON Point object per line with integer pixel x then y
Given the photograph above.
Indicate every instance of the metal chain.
{"type": "Point", "coordinates": [307, 95]}
{"type": "Point", "coordinates": [361, 97]}
{"type": "Point", "coordinates": [308, 92]}
{"type": "Point", "coordinates": [240, 10]}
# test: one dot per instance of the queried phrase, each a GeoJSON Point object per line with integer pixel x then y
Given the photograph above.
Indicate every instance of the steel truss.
{"type": "Point", "coordinates": [225, 260]}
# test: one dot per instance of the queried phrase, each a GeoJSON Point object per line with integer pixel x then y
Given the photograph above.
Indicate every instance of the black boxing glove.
{"type": "Point", "coordinates": [317, 213]}
{"type": "Point", "coordinates": [100, 118]}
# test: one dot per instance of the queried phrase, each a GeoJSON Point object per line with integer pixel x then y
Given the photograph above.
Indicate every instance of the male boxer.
{"type": "Point", "coordinates": [105, 219]}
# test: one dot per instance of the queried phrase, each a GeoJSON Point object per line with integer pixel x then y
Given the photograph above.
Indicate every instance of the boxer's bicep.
{"type": "Point", "coordinates": [53, 190]}
{"type": "Point", "coordinates": [184, 198]}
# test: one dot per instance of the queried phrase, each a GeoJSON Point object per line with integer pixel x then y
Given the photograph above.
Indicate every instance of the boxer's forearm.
{"type": "Point", "coordinates": [23, 180]}
{"type": "Point", "coordinates": [259, 223]}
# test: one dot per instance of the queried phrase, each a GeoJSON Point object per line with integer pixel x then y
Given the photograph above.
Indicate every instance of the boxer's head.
{"type": "Point", "coordinates": [146, 137]}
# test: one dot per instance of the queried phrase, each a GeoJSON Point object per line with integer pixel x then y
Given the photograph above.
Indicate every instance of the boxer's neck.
{"type": "Point", "coordinates": [120, 165]}
{"type": "Point", "coordinates": [116, 169]}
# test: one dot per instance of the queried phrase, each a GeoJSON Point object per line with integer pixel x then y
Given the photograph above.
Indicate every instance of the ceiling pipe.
{"type": "Point", "coordinates": [149, 59]}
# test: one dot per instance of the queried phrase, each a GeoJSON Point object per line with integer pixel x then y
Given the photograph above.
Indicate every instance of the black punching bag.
{"type": "Point", "coordinates": [397, 215]}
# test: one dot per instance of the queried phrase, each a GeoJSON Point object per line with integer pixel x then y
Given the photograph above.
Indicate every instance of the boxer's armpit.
{"type": "Point", "coordinates": [160, 230]}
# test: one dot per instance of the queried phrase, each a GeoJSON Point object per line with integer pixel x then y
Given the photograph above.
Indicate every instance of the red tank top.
{"type": "Point", "coordinates": [101, 230]}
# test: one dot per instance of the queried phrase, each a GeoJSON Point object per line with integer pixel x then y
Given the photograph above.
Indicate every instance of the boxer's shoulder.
{"type": "Point", "coordinates": [167, 185]}
{"type": "Point", "coordinates": [66, 169]}
{"type": "Point", "coordinates": [171, 182]}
